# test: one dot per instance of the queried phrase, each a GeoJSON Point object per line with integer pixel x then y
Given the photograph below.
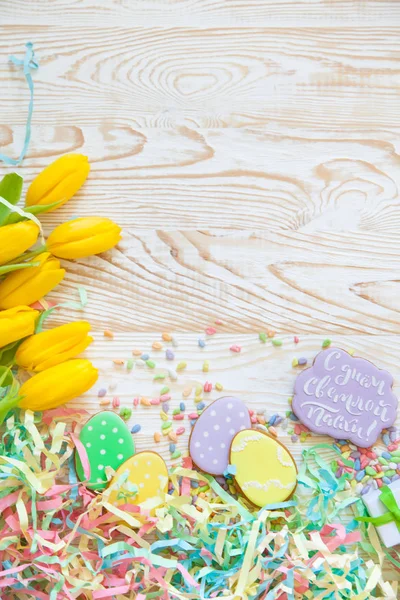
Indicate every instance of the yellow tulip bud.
{"type": "Point", "coordinates": [58, 385]}
{"type": "Point", "coordinates": [50, 348]}
{"type": "Point", "coordinates": [83, 237]}
{"type": "Point", "coordinates": [15, 239]}
{"type": "Point", "coordinates": [59, 181]}
{"type": "Point", "coordinates": [31, 284]}
{"type": "Point", "coordinates": [16, 323]}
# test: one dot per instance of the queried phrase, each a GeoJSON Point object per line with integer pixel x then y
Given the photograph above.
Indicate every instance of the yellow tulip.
{"type": "Point", "coordinates": [83, 237]}
{"type": "Point", "coordinates": [58, 385]}
{"type": "Point", "coordinates": [29, 285]}
{"type": "Point", "coordinates": [16, 323]}
{"type": "Point", "coordinates": [15, 239]}
{"type": "Point", "coordinates": [50, 348]}
{"type": "Point", "coordinates": [59, 181]}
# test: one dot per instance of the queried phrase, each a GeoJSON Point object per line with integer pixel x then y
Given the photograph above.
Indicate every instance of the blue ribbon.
{"type": "Point", "coordinates": [29, 64]}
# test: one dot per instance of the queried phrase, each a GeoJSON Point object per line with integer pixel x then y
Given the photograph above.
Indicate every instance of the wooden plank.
{"type": "Point", "coordinates": [202, 13]}
{"type": "Point", "coordinates": [225, 179]}
{"type": "Point", "coordinates": [330, 78]}
{"type": "Point", "coordinates": [293, 282]}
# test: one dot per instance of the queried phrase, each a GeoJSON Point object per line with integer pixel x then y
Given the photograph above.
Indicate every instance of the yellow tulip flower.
{"type": "Point", "coordinates": [59, 181]}
{"type": "Point", "coordinates": [16, 323]}
{"type": "Point", "coordinates": [29, 285]}
{"type": "Point", "coordinates": [58, 385]}
{"type": "Point", "coordinates": [83, 237]}
{"type": "Point", "coordinates": [50, 348]}
{"type": "Point", "coordinates": [15, 239]}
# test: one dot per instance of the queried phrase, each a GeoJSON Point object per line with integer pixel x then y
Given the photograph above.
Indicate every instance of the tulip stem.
{"type": "Point", "coordinates": [29, 255]}
{"type": "Point", "coordinates": [6, 405]}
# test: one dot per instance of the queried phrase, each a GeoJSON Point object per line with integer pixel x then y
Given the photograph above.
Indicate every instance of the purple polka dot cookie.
{"type": "Point", "coordinates": [214, 431]}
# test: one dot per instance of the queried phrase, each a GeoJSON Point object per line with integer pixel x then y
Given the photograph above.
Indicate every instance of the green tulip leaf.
{"type": "Point", "coordinates": [32, 210]}
{"type": "Point", "coordinates": [7, 355]}
{"type": "Point", "coordinates": [4, 269]}
{"type": "Point", "coordinates": [6, 377]}
{"type": "Point", "coordinates": [10, 190]}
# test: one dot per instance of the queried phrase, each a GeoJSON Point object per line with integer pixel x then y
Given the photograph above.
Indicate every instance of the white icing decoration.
{"type": "Point", "coordinates": [104, 422]}
{"type": "Point", "coordinates": [216, 427]}
{"type": "Point", "coordinates": [102, 437]}
{"type": "Point", "coordinates": [141, 485]}
{"type": "Point", "coordinates": [100, 467]}
{"type": "Point", "coordinates": [213, 413]}
{"type": "Point", "coordinates": [223, 445]}
{"type": "Point", "coordinates": [254, 437]}
{"type": "Point", "coordinates": [90, 428]}
{"type": "Point", "coordinates": [210, 448]}
{"type": "Point", "coordinates": [120, 456]}
{"type": "Point", "coordinates": [279, 455]}
{"type": "Point", "coordinates": [99, 480]}
{"type": "Point", "coordinates": [88, 445]}
{"type": "Point", "coordinates": [201, 455]}
{"type": "Point", "coordinates": [148, 463]}
{"type": "Point", "coordinates": [241, 415]}
{"type": "Point", "coordinates": [147, 476]}
{"type": "Point", "coordinates": [205, 434]}
{"type": "Point", "coordinates": [197, 445]}
{"type": "Point", "coordinates": [115, 429]}
{"type": "Point", "coordinates": [120, 441]}
{"type": "Point", "coordinates": [232, 431]}
{"type": "Point", "coordinates": [215, 462]}
{"type": "Point", "coordinates": [228, 419]}
{"type": "Point", "coordinates": [102, 451]}
{"type": "Point", "coordinates": [242, 427]}
{"type": "Point", "coordinates": [230, 405]}
{"type": "Point", "coordinates": [265, 486]}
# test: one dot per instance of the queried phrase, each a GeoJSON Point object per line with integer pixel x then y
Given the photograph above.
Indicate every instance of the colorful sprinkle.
{"type": "Point", "coordinates": [136, 428]}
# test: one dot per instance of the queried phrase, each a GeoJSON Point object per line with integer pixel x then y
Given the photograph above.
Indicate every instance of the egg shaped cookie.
{"type": "Point", "coordinates": [214, 431]}
{"type": "Point", "coordinates": [142, 477]}
{"type": "Point", "coordinates": [108, 443]}
{"type": "Point", "coordinates": [265, 470]}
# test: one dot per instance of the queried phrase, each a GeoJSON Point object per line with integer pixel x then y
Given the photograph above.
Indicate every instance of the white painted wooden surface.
{"type": "Point", "coordinates": [250, 150]}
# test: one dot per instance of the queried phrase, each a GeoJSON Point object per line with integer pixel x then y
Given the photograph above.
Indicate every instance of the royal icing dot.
{"type": "Point", "coordinates": [147, 473]}
{"type": "Point", "coordinates": [265, 471]}
{"type": "Point", "coordinates": [115, 429]}
{"type": "Point", "coordinates": [100, 447]}
{"type": "Point", "coordinates": [120, 441]}
{"type": "Point", "coordinates": [219, 429]}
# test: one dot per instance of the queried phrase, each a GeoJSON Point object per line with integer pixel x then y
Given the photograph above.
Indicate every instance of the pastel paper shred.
{"type": "Point", "coordinates": [60, 540]}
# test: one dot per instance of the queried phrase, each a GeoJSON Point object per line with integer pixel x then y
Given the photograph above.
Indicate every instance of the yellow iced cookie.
{"type": "Point", "coordinates": [142, 477]}
{"type": "Point", "coordinates": [265, 471]}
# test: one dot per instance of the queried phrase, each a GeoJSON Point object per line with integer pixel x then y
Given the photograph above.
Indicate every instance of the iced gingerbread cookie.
{"type": "Point", "coordinates": [108, 443]}
{"type": "Point", "coordinates": [213, 433]}
{"type": "Point", "coordinates": [265, 470]}
{"type": "Point", "coordinates": [142, 477]}
{"type": "Point", "coordinates": [345, 397]}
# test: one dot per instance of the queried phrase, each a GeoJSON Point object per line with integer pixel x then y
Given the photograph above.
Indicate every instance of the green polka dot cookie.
{"type": "Point", "coordinates": [108, 443]}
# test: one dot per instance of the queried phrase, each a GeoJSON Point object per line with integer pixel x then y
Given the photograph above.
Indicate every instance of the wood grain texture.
{"type": "Point", "coordinates": [250, 150]}
{"type": "Point", "coordinates": [201, 13]}
{"type": "Point", "coordinates": [226, 178]}
{"type": "Point", "coordinates": [330, 283]}
{"type": "Point", "coordinates": [208, 77]}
